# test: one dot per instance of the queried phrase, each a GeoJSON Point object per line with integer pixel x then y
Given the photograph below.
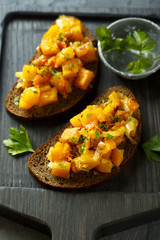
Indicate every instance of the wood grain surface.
{"type": "Point", "coordinates": [76, 215]}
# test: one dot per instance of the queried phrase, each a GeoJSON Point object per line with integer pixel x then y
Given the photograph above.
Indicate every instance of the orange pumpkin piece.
{"type": "Point", "coordinates": [109, 145]}
{"type": "Point", "coordinates": [61, 169]}
{"type": "Point", "coordinates": [29, 72]}
{"type": "Point", "coordinates": [99, 113]}
{"type": "Point", "coordinates": [64, 55]}
{"type": "Point", "coordinates": [49, 46]}
{"type": "Point", "coordinates": [60, 152]}
{"type": "Point", "coordinates": [41, 61]}
{"type": "Point", "coordinates": [45, 88]}
{"type": "Point", "coordinates": [60, 83]}
{"type": "Point", "coordinates": [52, 31]}
{"type": "Point", "coordinates": [117, 157]}
{"type": "Point", "coordinates": [119, 139]}
{"type": "Point", "coordinates": [86, 161]}
{"type": "Point", "coordinates": [83, 78]}
{"type": "Point", "coordinates": [86, 53]}
{"type": "Point", "coordinates": [133, 104]}
{"type": "Point", "coordinates": [70, 135]}
{"type": "Point", "coordinates": [75, 121]}
{"type": "Point", "coordinates": [88, 116]}
{"type": "Point", "coordinates": [48, 97]}
{"type": "Point", "coordinates": [38, 80]}
{"type": "Point", "coordinates": [105, 166]}
{"type": "Point", "coordinates": [71, 67]}
{"type": "Point", "coordinates": [51, 62]}
{"type": "Point", "coordinates": [76, 33]}
{"type": "Point", "coordinates": [30, 97]}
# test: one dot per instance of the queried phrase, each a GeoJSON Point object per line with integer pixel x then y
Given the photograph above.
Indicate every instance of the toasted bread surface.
{"type": "Point", "coordinates": [38, 162]}
{"type": "Point", "coordinates": [59, 107]}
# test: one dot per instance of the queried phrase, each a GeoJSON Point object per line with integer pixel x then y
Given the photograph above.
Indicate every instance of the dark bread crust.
{"type": "Point", "coordinates": [59, 107]}
{"type": "Point", "coordinates": [38, 163]}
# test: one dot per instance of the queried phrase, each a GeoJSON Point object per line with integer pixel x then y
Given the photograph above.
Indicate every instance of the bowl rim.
{"type": "Point", "coordinates": [129, 75]}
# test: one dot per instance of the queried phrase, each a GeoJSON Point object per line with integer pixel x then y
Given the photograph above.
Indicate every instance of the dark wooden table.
{"type": "Point", "coordinates": [128, 207]}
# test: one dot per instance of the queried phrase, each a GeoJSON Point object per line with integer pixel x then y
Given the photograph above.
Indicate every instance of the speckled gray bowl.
{"type": "Point", "coordinates": [118, 63]}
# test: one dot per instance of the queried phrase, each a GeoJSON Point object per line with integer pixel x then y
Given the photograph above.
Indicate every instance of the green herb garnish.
{"type": "Point", "coordinates": [72, 152]}
{"type": "Point", "coordinates": [81, 139]}
{"type": "Point", "coordinates": [16, 100]}
{"type": "Point", "coordinates": [130, 118]}
{"type": "Point", "coordinates": [151, 147]}
{"type": "Point", "coordinates": [108, 136]}
{"type": "Point", "coordinates": [55, 73]}
{"type": "Point", "coordinates": [75, 140]}
{"type": "Point", "coordinates": [138, 45]}
{"type": "Point", "coordinates": [19, 141]}
{"type": "Point", "coordinates": [97, 134]}
{"type": "Point", "coordinates": [102, 126]}
{"type": "Point", "coordinates": [81, 150]}
{"type": "Point", "coordinates": [62, 165]}
{"type": "Point", "coordinates": [36, 92]}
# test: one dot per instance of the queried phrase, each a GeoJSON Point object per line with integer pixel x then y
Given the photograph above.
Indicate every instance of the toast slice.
{"type": "Point", "coordinates": [56, 108]}
{"type": "Point", "coordinates": [38, 162]}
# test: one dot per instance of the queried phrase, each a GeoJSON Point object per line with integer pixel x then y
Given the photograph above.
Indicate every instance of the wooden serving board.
{"type": "Point", "coordinates": [130, 199]}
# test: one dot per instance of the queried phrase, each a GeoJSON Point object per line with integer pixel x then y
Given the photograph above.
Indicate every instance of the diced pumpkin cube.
{"type": "Point", "coordinates": [117, 157]}
{"type": "Point", "coordinates": [121, 114]}
{"type": "Point", "coordinates": [39, 80]}
{"type": "Point", "coordinates": [119, 139]}
{"type": "Point", "coordinates": [60, 152]}
{"type": "Point", "coordinates": [114, 98]}
{"type": "Point", "coordinates": [86, 53]}
{"type": "Point", "coordinates": [76, 33]}
{"type": "Point", "coordinates": [88, 116]}
{"type": "Point", "coordinates": [94, 137]}
{"type": "Point", "coordinates": [41, 61]}
{"type": "Point", "coordinates": [109, 145]}
{"type": "Point", "coordinates": [100, 114]}
{"type": "Point", "coordinates": [83, 78]}
{"type": "Point", "coordinates": [30, 97]}
{"type": "Point", "coordinates": [52, 31]}
{"type": "Point", "coordinates": [75, 121]}
{"type": "Point", "coordinates": [49, 46]}
{"type": "Point", "coordinates": [132, 104]}
{"type": "Point", "coordinates": [61, 169]}
{"type": "Point", "coordinates": [70, 135]}
{"type": "Point", "coordinates": [45, 73]}
{"type": "Point", "coordinates": [86, 161]}
{"type": "Point", "coordinates": [48, 97]}
{"type": "Point", "coordinates": [105, 166]}
{"type": "Point", "coordinates": [45, 88]}
{"type": "Point", "coordinates": [71, 68]}
{"type": "Point", "coordinates": [61, 84]}
{"type": "Point", "coordinates": [51, 62]}
{"type": "Point", "coordinates": [109, 110]}
{"type": "Point", "coordinates": [64, 55]}
{"type": "Point", "coordinates": [29, 72]}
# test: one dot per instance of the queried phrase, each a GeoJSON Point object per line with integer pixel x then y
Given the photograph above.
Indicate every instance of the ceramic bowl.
{"type": "Point", "coordinates": [121, 28]}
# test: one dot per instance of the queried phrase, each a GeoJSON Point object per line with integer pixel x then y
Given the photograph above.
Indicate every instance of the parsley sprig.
{"type": "Point", "coordinates": [19, 141]}
{"type": "Point", "coordinates": [151, 147]}
{"type": "Point", "coordinates": [138, 45]}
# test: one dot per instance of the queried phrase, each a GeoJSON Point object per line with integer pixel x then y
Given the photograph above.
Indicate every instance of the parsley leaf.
{"type": "Point", "coordinates": [19, 141]}
{"type": "Point", "coordinates": [151, 147]}
{"type": "Point", "coordinates": [138, 44]}
{"type": "Point", "coordinates": [139, 65]}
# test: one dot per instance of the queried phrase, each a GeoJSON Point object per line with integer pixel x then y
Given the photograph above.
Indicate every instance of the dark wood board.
{"type": "Point", "coordinates": [74, 215]}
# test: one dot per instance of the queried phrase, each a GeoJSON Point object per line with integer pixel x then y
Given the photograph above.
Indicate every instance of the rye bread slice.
{"type": "Point", "coordinates": [59, 107]}
{"type": "Point", "coordinates": [38, 163]}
